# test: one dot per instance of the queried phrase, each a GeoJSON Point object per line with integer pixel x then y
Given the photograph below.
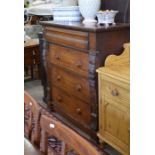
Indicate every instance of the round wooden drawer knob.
{"type": "Point", "coordinates": [59, 98]}
{"type": "Point", "coordinates": [58, 78]}
{"type": "Point", "coordinates": [78, 110]}
{"type": "Point", "coordinates": [57, 57]}
{"type": "Point", "coordinates": [78, 64]}
{"type": "Point", "coordinates": [78, 87]}
{"type": "Point", "coordinates": [115, 92]}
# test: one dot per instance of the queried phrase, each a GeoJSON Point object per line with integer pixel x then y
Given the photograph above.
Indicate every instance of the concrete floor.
{"type": "Point", "coordinates": [36, 90]}
{"type": "Point", "coordinates": [29, 149]}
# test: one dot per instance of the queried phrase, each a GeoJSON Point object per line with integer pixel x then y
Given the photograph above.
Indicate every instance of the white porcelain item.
{"type": "Point", "coordinates": [88, 9]}
{"type": "Point", "coordinates": [67, 19]}
{"type": "Point", "coordinates": [70, 13]}
{"type": "Point", "coordinates": [106, 17]}
{"type": "Point", "coordinates": [54, 1]}
{"type": "Point", "coordinates": [69, 2]}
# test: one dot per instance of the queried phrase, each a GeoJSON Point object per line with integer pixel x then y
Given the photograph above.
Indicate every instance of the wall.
{"type": "Point", "coordinates": [123, 6]}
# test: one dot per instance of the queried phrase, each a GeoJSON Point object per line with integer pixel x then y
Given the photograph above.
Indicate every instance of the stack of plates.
{"type": "Point", "coordinates": [67, 14]}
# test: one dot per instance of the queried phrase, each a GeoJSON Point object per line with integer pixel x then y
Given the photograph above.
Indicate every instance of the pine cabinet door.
{"type": "Point", "coordinates": [115, 124]}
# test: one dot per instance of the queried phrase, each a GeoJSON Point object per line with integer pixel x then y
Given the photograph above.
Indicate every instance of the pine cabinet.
{"type": "Point", "coordinates": [114, 102]}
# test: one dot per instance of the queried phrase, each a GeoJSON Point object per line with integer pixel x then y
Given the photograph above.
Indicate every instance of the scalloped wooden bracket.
{"type": "Point", "coordinates": [124, 57]}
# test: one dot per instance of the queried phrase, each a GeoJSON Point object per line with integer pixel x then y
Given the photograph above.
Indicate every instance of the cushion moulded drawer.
{"type": "Point", "coordinates": [65, 37]}
{"type": "Point", "coordinates": [69, 58]}
{"type": "Point", "coordinates": [74, 108]}
{"type": "Point", "coordinates": [71, 83]}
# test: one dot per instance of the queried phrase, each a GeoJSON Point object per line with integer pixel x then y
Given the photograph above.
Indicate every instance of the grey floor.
{"type": "Point", "coordinates": [36, 90]}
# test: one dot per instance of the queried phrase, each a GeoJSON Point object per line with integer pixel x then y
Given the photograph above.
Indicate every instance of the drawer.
{"type": "Point", "coordinates": [74, 108]}
{"type": "Point", "coordinates": [69, 58]}
{"type": "Point", "coordinates": [66, 37]}
{"type": "Point", "coordinates": [115, 93]}
{"type": "Point", "coordinates": [71, 83]}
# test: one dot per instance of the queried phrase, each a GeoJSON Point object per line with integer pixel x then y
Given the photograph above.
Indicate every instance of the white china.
{"type": "Point", "coordinates": [69, 2]}
{"type": "Point", "coordinates": [106, 17]}
{"type": "Point", "coordinates": [88, 9]}
{"type": "Point", "coordinates": [70, 13]}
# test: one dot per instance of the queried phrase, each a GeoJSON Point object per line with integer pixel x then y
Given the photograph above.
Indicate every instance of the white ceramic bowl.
{"type": "Point", "coordinates": [70, 13]}
{"type": "Point", "coordinates": [106, 17]}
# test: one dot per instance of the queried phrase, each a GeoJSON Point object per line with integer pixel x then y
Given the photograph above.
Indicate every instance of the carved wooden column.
{"type": "Point", "coordinates": [96, 59]}
{"type": "Point", "coordinates": [44, 75]}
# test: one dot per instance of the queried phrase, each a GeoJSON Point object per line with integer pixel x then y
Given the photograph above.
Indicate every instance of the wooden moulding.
{"type": "Point", "coordinates": [63, 37]}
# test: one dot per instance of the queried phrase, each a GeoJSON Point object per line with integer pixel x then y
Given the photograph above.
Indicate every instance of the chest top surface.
{"type": "Point", "coordinates": [82, 27]}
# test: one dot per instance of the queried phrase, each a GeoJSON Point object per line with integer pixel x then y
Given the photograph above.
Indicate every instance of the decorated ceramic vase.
{"type": "Point", "coordinates": [88, 9]}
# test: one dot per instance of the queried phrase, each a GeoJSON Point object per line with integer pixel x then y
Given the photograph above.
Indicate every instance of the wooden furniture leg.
{"type": "Point", "coordinates": [32, 72]}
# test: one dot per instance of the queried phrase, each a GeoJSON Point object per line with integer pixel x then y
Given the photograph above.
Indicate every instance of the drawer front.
{"type": "Point", "coordinates": [74, 108]}
{"type": "Point", "coordinates": [66, 37]}
{"type": "Point", "coordinates": [115, 93]}
{"type": "Point", "coordinates": [69, 58]}
{"type": "Point", "coordinates": [71, 83]}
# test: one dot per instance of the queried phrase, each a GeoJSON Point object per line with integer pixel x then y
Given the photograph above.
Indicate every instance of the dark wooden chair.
{"type": "Point", "coordinates": [64, 140]}
{"type": "Point", "coordinates": [32, 113]}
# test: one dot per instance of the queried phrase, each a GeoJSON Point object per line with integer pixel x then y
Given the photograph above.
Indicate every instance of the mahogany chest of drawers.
{"type": "Point", "coordinates": [72, 53]}
{"type": "Point", "coordinates": [114, 102]}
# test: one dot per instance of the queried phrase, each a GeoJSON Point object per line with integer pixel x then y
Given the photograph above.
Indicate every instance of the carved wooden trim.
{"type": "Point", "coordinates": [124, 57]}
{"type": "Point", "coordinates": [48, 88]}
{"type": "Point", "coordinates": [96, 59]}
{"type": "Point", "coordinates": [42, 46]}
{"type": "Point", "coordinates": [44, 52]}
{"type": "Point", "coordinates": [43, 141]}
